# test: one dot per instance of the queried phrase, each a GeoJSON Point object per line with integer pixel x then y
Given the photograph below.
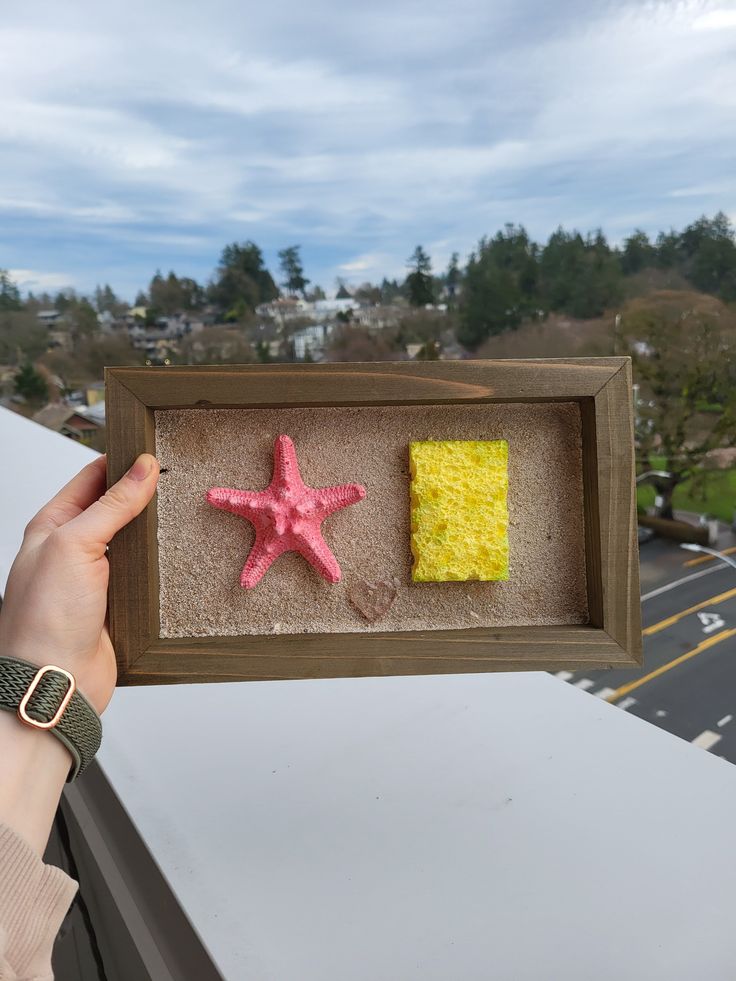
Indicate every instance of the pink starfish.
{"type": "Point", "coordinates": [287, 516]}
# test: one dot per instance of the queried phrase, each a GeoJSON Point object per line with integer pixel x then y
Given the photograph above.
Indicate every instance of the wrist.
{"type": "Point", "coordinates": [47, 700]}
{"type": "Point", "coordinates": [94, 676]}
{"type": "Point", "coordinates": [33, 770]}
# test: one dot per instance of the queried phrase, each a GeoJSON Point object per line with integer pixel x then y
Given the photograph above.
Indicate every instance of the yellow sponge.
{"type": "Point", "coordinates": [459, 516]}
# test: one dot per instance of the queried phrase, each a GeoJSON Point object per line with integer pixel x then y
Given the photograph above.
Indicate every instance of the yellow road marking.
{"type": "Point", "coordinates": [702, 646]}
{"type": "Point", "coordinates": [656, 627]}
{"type": "Point", "coordinates": [708, 558]}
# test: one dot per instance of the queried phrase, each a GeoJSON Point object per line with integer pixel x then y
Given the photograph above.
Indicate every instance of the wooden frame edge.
{"type": "Point", "coordinates": [376, 655]}
{"type": "Point", "coordinates": [143, 658]}
{"type": "Point", "coordinates": [131, 422]}
{"type": "Point", "coordinates": [619, 550]}
{"type": "Point", "coordinates": [370, 383]}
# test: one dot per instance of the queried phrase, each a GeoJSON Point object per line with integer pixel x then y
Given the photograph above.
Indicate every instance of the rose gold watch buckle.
{"type": "Point", "coordinates": [23, 714]}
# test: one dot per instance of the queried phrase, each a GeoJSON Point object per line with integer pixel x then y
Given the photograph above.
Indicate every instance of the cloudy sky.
{"type": "Point", "coordinates": [144, 135]}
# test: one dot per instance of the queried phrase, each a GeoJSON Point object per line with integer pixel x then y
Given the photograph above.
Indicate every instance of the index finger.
{"type": "Point", "coordinates": [72, 499]}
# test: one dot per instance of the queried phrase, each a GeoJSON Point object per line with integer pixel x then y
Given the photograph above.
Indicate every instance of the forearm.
{"type": "Point", "coordinates": [34, 897]}
{"type": "Point", "coordinates": [34, 766]}
{"type": "Point", "coordinates": [55, 600]}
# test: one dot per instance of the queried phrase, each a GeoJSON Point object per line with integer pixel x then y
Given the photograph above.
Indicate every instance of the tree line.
{"type": "Point", "coordinates": [510, 278]}
{"type": "Point", "coordinates": [507, 279]}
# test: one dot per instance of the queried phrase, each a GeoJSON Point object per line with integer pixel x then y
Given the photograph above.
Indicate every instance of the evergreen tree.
{"type": "Point", "coordinates": [31, 384]}
{"type": "Point", "coordinates": [709, 253]}
{"type": "Point", "coordinates": [105, 299]}
{"type": "Point", "coordinates": [369, 294]}
{"type": "Point", "coordinates": [192, 296]}
{"type": "Point", "coordinates": [581, 277]}
{"type": "Point", "coordinates": [667, 249]}
{"type": "Point", "coordinates": [9, 293]}
{"type": "Point", "coordinates": [242, 281]}
{"type": "Point", "coordinates": [452, 277]}
{"type": "Point", "coordinates": [293, 271]}
{"type": "Point", "coordinates": [173, 295]}
{"type": "Point", "coordinates": [419, 285]}
{"type": "Point", "coordinates": [390, 291]}
{"type": "Point", "coordinates": [499, 286]}
{"type": "Point", "coordinates": [638, 253]}
{"type": "Point", "coordinates": [81, 319]}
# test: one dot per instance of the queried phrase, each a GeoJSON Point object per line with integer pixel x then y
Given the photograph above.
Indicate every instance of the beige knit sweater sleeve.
{"type": "Point", "coordinates": [34, 899]}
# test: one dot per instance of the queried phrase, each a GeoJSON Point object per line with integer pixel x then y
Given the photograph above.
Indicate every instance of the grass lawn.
{"type": "Point", "coordinates": [711, 492]}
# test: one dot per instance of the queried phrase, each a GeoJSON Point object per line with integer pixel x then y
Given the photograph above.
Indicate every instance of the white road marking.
{"type": "Point", "coordinates": [706, 739]}
{"type": "Point", "coordinates": [711, 621]}
{"type": "Point", "coordinates": [564, 675]}
{"type": "Point", "coordinates": [724, 720]}
{"type": "Point", "coordinates": [626, 703]}
{"type": "Point", "coordinates": [660, 713]}
{"type": "Point", "coordinates": [604, 692]}
{"type": "Point", "coordinates": [584, 683]}
{"type": "Point", "coordinates": [681, 582]}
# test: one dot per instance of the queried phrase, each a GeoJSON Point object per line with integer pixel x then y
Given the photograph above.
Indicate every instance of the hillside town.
{"type": "Point", "coordinates": [670, 303]}
{"type": "Point", "coordinates": [284, 329]}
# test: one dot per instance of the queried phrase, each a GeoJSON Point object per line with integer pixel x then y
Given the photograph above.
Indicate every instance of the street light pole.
{"type": "Point", "coordinates": [653, 473]}
{"type": "Point", "coordinates": [692, 547]}
{"type": "Point", "coordinates": [665, 474]}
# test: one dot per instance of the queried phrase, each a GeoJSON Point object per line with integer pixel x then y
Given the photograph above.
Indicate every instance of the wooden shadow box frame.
{"type": "Point", "coordinates": [601, 387]}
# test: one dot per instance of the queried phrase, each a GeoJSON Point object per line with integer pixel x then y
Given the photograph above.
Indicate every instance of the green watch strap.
{"type": "Point", "coordinates": [78, 727]}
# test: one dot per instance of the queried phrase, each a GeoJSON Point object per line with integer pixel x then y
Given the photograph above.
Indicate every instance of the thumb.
{"type": "Point", "coordinates": [122, 502]}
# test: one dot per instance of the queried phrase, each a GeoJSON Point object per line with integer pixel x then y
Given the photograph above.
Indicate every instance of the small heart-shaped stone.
{"type": "Point", "coordinates": [373, 599]}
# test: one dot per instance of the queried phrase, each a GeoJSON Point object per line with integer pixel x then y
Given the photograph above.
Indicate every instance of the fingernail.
{"type": "Point", "coordinates": [141, 468]}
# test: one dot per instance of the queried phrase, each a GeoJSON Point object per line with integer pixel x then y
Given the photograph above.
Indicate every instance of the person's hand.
{"type": "Point", "coordinates": [55, 603]}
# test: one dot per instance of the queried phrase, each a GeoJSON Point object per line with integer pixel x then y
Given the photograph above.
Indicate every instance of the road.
{"type": "Point", "coordinates": [687, 684]}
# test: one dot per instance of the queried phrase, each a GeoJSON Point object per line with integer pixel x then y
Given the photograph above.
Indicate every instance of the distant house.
{"type": "Point", "coordinates": [49, 318]}
{"type": "Point", "coordinates": [82, 428]}
{"type": "Point", "coordinates": [54, 415]}
{"type": "Point", "coordinates": [333, 307]}
{"type": "Point", "coordinates": [135, 313]}
{"type": "Point", "coordinates": [380, 317]}
{"type": "Point", "coordinates": [310, 339]}
{"type": "Point", "coordinates": [283, 310]}
{"type": "Point", "coordinates": [95, 393]}
{"type": "Point", "coordinates": [81, 425]}
{"type": "Point", "coordinates": [94, 412]}
{"type": "Point", "coordinates": [159, 339]}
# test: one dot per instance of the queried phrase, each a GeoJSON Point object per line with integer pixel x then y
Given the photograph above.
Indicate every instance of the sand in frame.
{"type": "Point", "coordinates": [201, 550]}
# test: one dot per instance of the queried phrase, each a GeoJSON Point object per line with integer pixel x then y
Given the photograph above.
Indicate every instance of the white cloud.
{"type": "Point", "coordinates": [361, 264]}
{"type": "Point", "coordinates": [178, 126]}
{"type": "Point", "coordinates": [722, 189]}
{"type": "Point", "coordinates": [373, 265]}
{"type": "Point", "coordinates": [31, 280]}
{"type": "Point", "coordinates": [716, 20]}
